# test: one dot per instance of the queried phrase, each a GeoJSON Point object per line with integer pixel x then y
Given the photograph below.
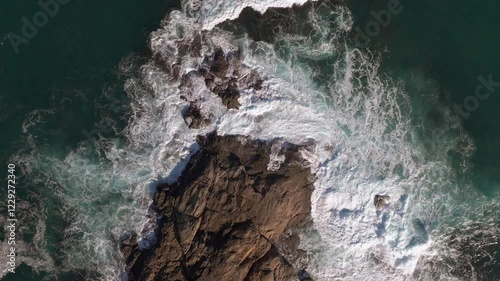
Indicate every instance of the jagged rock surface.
{"type": "Point", "coordinates": [224, 75]}
{"type": "Point", "coordinates": [228, 217]}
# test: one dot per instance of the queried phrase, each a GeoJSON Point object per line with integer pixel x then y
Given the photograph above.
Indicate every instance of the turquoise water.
{"type": "Point", "coordinates": [69, 83]}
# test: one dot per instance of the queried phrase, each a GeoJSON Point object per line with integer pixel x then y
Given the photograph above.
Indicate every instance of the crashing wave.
{"type": "Point", "coordinates": [213, 12]}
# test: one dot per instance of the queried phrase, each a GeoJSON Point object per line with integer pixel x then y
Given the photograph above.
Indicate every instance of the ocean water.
{"type": "Point", "coordinates": [59, 92]}
{"type": "Point", "coordinates": [91, 116]}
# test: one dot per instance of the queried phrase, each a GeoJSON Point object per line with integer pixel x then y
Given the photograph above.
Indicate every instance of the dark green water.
{"type": "Point", "coordinates": [75, 56]}
{"type": "Point", "coordinates": [66, 68]}
{"type": "Point", "coordinates": [70, 69]}
{"type": "Point", "coordinates": [454, 43]}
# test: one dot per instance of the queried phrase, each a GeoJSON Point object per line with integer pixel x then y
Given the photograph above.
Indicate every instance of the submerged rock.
{"type": "Point", "coordinates": [229, 217]}
{"type": "Point", "coordinates": [128, 243]}
{"type": "Point", "coordinates": [304, 276]}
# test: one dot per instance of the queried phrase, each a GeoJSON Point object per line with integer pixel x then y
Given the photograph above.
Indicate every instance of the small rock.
{"type": "Point", "coordinates": [381, 201]}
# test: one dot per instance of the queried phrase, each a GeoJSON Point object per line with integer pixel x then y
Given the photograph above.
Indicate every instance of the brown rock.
{"type": "Point", "coordinates": [219, 65]}
{"type": "Point", "coordinates": [193, 117]}
{"type": "Point", "coordinates": [381, 201]}
{"type": "Point", "coordinates": [229, 93]}
{"type": "Point", "coordinates": [228, 216]}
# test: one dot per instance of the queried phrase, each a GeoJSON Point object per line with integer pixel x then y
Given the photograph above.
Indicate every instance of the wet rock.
{"type": "Point", "coordinates": [128, 242]}
{"type": "Point", "coordinates": [193, 117]}
{"type": "Point", "coordinates": [229, 93]}
{"type": "Point", "coordinates": [219, 65]}
{"type": "Point", "coordinates": [381, 201]}
{"type": "Point", "coordinates": [304, 276]}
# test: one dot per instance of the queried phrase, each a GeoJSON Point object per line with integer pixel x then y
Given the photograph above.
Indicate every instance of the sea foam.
{"type": "Point", "coordinates": [214, 12]}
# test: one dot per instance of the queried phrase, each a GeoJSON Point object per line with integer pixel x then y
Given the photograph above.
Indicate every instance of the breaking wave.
{"type": "Point", "coordinates": [368, 139]}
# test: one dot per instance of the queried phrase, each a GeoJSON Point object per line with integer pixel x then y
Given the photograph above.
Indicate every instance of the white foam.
{"type": "Point", "coordinates": [34, 253]}
{"type": "Point", "coordinates": [275, 158]}
{"type": "Point", "coordinates": [214, 12]}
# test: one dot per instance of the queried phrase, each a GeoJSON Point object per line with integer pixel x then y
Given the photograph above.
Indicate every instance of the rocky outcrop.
{"type": "Point", "coordinates": [194, 117]}
{"type": "Point", "coordinates": [228, 217]}
{"type": "Point", "coordinates": [224, 75]}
